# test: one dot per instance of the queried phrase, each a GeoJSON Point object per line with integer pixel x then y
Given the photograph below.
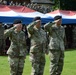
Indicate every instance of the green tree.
{"type": "Point", "coordinates": [56, 4]}
{"type": "Point", "coordinates": [68, 4]}
{"type": "Point", "coordinates": [64, 4]}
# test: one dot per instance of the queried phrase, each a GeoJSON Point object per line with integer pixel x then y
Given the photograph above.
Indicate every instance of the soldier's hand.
{"type": "Point", "coordinates": [15, 25]}
{"type": "Point", "coordinates": [38, 20]}
{"type": "Point", "coordinates": [56, 21]}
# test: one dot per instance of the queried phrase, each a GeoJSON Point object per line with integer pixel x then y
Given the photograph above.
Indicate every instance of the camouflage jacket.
{"type": "Point", "coordinates": [38, 38]}
{"type": "Point", "coordinates": [56, 36]}
{"type": "Point", "coordinates": [18, 43]}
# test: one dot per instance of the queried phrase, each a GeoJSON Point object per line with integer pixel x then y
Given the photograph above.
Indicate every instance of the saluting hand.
{"type": "Point", "coordinates": [56, 21]}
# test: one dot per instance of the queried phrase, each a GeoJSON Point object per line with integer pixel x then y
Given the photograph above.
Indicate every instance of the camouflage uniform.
{"type": "Point", "coordinates": [56, 46]}
{"type": "Point", "coordinates": [17, 51]}
{"type": "Point", "coordinates": [2, 41]}
{"type": "Point", "coordinates": [37, 49]}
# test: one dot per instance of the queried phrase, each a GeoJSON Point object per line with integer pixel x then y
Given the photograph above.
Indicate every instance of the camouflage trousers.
{"type": "Point", "coordinates": [16, 65]}
{"type": "Point", "coordinates": [57, 61]}
{"type": "Point", "coordinates": [38, 63]}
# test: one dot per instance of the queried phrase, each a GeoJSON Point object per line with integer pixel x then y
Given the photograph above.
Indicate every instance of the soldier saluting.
{"type": "Point", "coordinates": [17, 50]}
{"type": "Point", "coordinates": [56, 45]}
{"type": "Point", "coordinates": [38, 46]}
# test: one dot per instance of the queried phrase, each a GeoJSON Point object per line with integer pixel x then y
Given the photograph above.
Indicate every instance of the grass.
{"type": "Point", "coordinates": [69, 65]}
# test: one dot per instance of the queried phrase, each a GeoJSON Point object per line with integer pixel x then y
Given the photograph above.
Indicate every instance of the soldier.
{"type": "Point", "coordinates": [17, 50]}
{"type": "Point", "coordinates": [2, 41]}
{"type": "Point", "coordinates": [38, 46]}
{"type": "Point", "coordinates": [56, 45]}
